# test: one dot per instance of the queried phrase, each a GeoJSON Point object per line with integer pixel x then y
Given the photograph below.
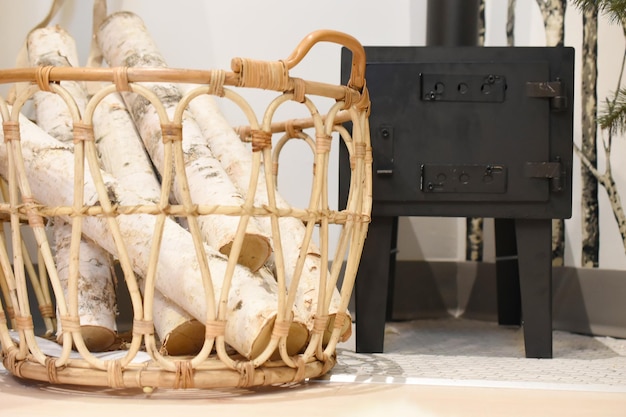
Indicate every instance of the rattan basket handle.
{"type": "Point", "coordinates": [357, 76]}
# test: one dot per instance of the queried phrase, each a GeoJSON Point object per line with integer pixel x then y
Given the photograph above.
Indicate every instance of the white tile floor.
{"type": "Point", "coordinates": [475, 353]}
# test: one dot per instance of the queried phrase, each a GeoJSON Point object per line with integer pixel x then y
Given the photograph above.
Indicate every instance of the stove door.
{"type": "Point", "coordinates": [458, 132]}
{"type": "Point", "coordinates": [469, 131]}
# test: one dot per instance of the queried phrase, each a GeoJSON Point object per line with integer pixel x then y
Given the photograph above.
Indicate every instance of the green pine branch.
{"type": "Point", "coordinates": [614, 9]}
{"type": "Point", "coordinates": [613, 117]}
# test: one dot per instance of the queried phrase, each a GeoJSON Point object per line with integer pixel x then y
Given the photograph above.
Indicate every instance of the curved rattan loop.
{"type": "Point", "coordinates": [357, 76]}
{"type": "Point", "coordinates": [291, 133]}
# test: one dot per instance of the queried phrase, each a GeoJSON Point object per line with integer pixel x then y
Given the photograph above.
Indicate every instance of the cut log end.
{"type": "Point", "coordinates": [255, 251]}
{"type": "Point", "coordinates": [296, 340]}
{"type": "Point", "coordinates": [96, 338]}
{"type": "Point", "coordinates": [346, 330]}
{"type": "Point", "coordinates": [186, 339]}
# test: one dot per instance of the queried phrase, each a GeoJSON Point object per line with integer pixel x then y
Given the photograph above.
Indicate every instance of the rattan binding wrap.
{"type": "Point", "coordinates": [215, 366]}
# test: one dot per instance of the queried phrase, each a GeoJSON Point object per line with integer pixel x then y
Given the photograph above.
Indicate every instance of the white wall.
{"type": "Point", "coordinates": [207, 34]}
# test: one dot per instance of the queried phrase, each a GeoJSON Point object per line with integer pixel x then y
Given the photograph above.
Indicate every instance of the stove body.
{"type": "Point", "coordinates": [468, 132]}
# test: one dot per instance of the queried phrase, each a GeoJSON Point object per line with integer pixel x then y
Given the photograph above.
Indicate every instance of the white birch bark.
{"type": "Point", "coordinates": [251, 307]}
{"type": "Point", "coordinates": [553, 13]}
{"type": "Point", "coordinates": [122, 155]}
{"type": "Point", "coordinates": [96, 289]}
{"type": "Point", "coordinates": [124, 41]}
{"type": "Point", "coordinates": [510, 22]}
{"type": "Point", "coordinates": [96, 306]}
{"type": "Point", "coordinates": [590, 251]}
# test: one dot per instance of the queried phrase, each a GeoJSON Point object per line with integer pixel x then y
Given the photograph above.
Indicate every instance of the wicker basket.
{"type": "Point", "coordinates": [216, 365]}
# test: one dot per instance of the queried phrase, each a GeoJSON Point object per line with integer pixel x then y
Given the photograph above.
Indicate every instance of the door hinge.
{"type": "Point", "coordinates": [548, 89]}
{"type": "Point", "coordinates": [553, 171]}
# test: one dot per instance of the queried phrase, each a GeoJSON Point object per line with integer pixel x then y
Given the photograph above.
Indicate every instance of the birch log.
{"type": "Point", "coordinates": [251, 308]}
{"type": "Point", "coordinates": [123, 41]}
{"type": "Point", "coordinates": [96, 289]}
{"type": "Point", "coordinates": [123, 156]}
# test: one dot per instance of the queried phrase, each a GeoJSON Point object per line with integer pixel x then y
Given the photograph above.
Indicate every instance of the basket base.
{"type": "Point", "coordinates": [211, 374]}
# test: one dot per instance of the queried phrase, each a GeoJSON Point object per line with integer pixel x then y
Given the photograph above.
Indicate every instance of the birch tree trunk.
{"type": "Point", "coordinates": [589, 199]}
{"type": "Point", "coordinates": [553, 13]}
{"type": "Point", "coordinates": [96, 289]}
{"type": "Point", "coordinates": [510, 23]}
{"type": "Point", "coordinates": [616, 205]}
{"type": "Point", "coordinates": [124, 41]}
{"type": "Point", "coordinates": [474, 235]}
{"type": "Point", "coordinates": [474, 239]}
{"type": "Point", "coordinates": [251, 307]}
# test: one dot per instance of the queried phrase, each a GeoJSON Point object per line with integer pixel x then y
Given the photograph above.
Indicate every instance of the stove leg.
{"type": "Point", "coordinates": [375, 274]}
{"type": "Point", "coordinates": [507, 274]}
{"type": "Point", "coordinates": [534, 246]}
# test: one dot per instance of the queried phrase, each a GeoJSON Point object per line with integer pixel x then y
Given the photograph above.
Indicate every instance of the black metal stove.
{"type": "Point", "coordinates": [468, 132]}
